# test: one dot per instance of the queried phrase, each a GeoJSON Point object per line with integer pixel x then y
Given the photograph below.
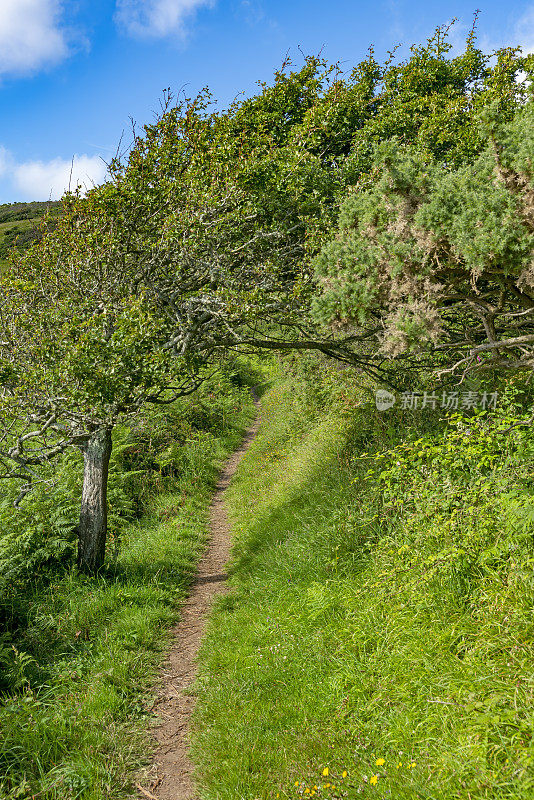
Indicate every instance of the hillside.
{"type": "Point", "coordinates": [19, 224]}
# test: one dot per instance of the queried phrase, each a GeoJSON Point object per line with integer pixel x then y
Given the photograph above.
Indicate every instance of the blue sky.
{"type": "Point", "coordinates": [72, 73]}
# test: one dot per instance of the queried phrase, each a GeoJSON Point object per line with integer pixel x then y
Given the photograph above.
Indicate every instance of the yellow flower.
{"type": "Point", "coordinates": [344, 773]}
{"type": "Point", "coordinates": [413, 764]}
{"type": "Point", "coordinates": [399, 764]}
{"type": "Point", "coordinates": [325, 772]}
{"type": "Point", "coordinates": [380, 761]}
{"type": "Point", "coordinates": [306, 791]}
{"type": "Point", "coordinates": [373, 780]}
{"type": "Point", "coordinates": [296, 783]}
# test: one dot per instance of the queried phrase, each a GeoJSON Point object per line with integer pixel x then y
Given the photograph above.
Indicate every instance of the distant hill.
{"type": "Point", "coordinates": [19, 224]}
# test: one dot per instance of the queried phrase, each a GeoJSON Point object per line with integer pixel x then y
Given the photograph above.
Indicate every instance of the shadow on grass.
{"type": "Point", "coordinates": [335, 538]}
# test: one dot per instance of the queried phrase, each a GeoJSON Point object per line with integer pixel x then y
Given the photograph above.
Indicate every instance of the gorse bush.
{"type": "Point", "coordinates": [378, 639]}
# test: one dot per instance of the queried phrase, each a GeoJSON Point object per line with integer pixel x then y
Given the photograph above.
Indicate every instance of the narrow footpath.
{"type": "Point", "coordinates": [172, 767]}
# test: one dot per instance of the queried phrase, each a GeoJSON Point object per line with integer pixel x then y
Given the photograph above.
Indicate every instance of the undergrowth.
{"type": "Point", "coordinates": [377, 641]}
{"type": "Point", "coordinates": [78, 655]}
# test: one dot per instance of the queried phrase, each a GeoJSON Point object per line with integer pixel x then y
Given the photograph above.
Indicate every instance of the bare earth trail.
{"type": "Point", "coordinates": [175, 704]}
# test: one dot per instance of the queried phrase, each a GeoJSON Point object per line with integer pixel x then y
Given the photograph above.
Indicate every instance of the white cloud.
{"type": "Point", "coordinates": [30, 35]}
{"type": "Point", "coordinates": [41, 180]}
{"type": "Point", "coordinates": [154, 19]}
{"type": "Point", "coordinates": [44, 180]}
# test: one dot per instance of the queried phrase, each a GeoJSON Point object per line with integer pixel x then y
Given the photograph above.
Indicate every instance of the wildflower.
{"type": "Point", "coordinates": [325, 772]}
{"type": "Point", "coordinates": [373, 779]}
{"type": "Point", "coordinates": [296, 783]}
{"type": "Point", "coordinates": [344, 773]}
{"type": "Point", "coordinates": [413, 764]}
{"type": "Point", "coordinates": [380, 761]}
{"type": "Point", "coordinates": [399, 764]}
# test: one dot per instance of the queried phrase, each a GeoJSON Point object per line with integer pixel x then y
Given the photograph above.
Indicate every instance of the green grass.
{"type": "Point", "coordinates": [74, 722]}
{"type": "Point", "coordinates": [380, 623]}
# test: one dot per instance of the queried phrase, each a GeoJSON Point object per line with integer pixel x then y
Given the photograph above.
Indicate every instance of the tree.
{"type": "Point", "coordinates": [441, 260]}
{"type": "Point", "coordinates": [213, 216]}
{"type": "Point", "coordinates": [80, 349]}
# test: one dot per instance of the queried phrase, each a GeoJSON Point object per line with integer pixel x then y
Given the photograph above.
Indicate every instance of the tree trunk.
{"type": "Point", "coordinates": [94, 512]}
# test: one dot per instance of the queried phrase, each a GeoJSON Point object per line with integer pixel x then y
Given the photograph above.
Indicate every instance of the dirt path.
{"type": "Point", "coordinates": [173, 767]}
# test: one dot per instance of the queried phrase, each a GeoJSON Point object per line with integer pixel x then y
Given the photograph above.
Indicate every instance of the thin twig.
{"type": "Point", "coordinates": [145, 792]}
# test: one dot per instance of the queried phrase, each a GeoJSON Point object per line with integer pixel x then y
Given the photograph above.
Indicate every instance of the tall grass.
{"type": "Point", "coordinates": [78, 655]}
{"type": "Point", "coordinates": [378, 638]}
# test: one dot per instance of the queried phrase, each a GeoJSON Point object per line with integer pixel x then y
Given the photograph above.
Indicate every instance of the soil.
{"type": "Point", "coordinates": [172, 768]}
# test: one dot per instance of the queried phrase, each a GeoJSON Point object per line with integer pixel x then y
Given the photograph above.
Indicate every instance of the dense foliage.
{"type": "Point", "coordinates": [430, 258]}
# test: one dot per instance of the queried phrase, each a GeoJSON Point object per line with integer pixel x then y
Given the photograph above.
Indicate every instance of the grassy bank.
{"type": "Point", "coordinates": [78, 655]}
{"type": "Point", "coordinates": [378, 639]}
